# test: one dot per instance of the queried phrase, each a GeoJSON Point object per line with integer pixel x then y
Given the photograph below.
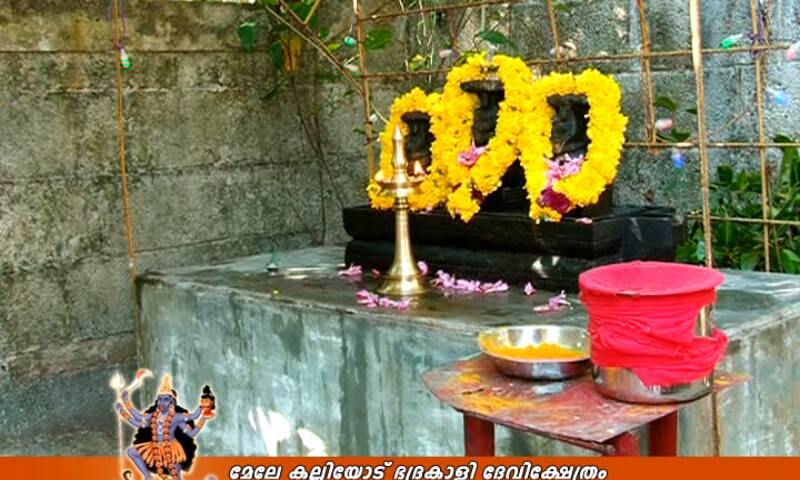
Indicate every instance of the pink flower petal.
{"type": "Point", "coordinates": [529, 290]}
{"type": "Point", "coordinates": [498, 286]}
{"type": "Point", "coordinates": [584, 220]}
{"type": "Point", "coordinates": [353, 271]}
{"type": "Point", "coordinates": [376, 273]}
{"type": "Point", "coordinates": [372, 300]}
{"type": "Point", "coordinates": [423, 267]}
{"type": "Point", "coordinates": [555, 303]}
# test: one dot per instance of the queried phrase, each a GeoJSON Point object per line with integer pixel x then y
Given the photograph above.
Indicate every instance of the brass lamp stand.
{"type": "Point", "coordinates": [404, 278]}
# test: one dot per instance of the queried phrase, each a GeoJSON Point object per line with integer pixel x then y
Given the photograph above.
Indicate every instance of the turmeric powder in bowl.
{"type": "Point", "coordinates": [542, 351]}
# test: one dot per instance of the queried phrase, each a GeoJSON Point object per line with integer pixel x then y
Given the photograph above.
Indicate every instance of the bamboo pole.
{"type": "Point", "coordinates": [700, 101]}
{"type": "Point", "coordinates": [551, 13]}
{"type": "Point", "coordinates": [762, 153]}
{"type": "Point", "coordinates": [648, 95]}
{"type": "Point", "coordinates": [365, 91]}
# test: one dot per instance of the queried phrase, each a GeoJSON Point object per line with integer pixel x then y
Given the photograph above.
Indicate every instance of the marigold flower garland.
{"type": "Point", "coordinates": [413, 101]}
{"type": "Point", "coordinates": [453, 132]}
{"type": "Point", "coordinates": [462, 175]}
{"type": "Point", "coordinates": [606, 132]}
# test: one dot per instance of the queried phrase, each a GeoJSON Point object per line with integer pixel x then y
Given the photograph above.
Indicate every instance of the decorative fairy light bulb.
{"type": "Point", "coordinates": [678, 160]}
{"type": "Point", "coordinates": [779, 97]}
{"type": "Point", "coordinates": [349, 41]}
{"type": "Point", "coordinates": [791, 52]}
{"type": "Point", "coordinates": [124, 60]}
{"type": "Point", "coordinates": [732, 40]}
{"type": "Point", "coordinates": [446, 53]}
{"type": "Point", "coordinates": [664, 124]}
{"type": "Point", "coordinates": [352, 68]}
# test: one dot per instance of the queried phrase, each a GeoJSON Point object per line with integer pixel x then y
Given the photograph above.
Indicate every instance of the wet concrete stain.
{"type": "Point", "coordinates": [354, 435]}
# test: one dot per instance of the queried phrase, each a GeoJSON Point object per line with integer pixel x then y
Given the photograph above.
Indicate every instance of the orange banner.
{"type": "Point", "coordinates": [418, 468]}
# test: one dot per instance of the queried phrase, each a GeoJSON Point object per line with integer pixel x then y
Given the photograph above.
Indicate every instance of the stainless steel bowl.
{"type": "Point", "coordinates": [623, 384]}
{"type": "Point", "coordinates": [531, 335]}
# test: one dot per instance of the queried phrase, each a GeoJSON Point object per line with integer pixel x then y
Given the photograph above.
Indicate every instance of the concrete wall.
{"type": "Point", "coordinates": [601, 27]}
{"type": "Point", "coordinates": [215, 171]}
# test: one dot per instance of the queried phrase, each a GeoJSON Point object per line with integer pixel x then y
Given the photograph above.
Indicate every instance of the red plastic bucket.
{"type": "Point", "coordinates": [642, 323]}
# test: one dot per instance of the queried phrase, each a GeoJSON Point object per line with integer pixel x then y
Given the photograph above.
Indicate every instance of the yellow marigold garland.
{"type": "Point", "coordinates": [523, 130]}
{"type": "Point", "coordinates": [453, 131]}
{"type": "Point", "coordinates": [606, 132]}
{"type": "Point", "coordinates": [413, 101]}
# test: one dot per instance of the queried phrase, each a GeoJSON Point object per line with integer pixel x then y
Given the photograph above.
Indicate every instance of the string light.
{"type": "Point", "coordinates": [678, 160]}
{"type": "Point", "coordinates": [349, 41]}
{"type": "Point", "coordinates": [779, 97]}
{"type": "Point", "coordinates": [664, 124]}
{"type": "Point", "coordinates": [732, 40]}
{"type": "Point", "coordinates": [446, 53]}
{"type": "Point", "coordinates": [791, 52]}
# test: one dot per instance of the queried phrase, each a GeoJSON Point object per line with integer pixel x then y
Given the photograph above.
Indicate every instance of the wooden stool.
{"type": "Point", "coordinates": [570, 411]}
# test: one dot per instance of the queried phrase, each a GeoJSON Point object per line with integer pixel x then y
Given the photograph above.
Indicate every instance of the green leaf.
{"type": "Point", "coordinates": [327, 76]}
{"type": "Point", "coordinates": [791, 255]}
{"type": "Point", "coordinates": [724, 174]}
{"type": "Point", "coordinates": [674, 136]}
{"type": "Point", "coordinates": [276, 52]}
{"type": "Point", "coordinates": [494, 37]}
{"type": "Point", "coordinates": [378, 38]}
{"type": "Point", "coordinates": [692, 110]}
{"type": "Point", "coordinates": [248, 35]}
{"type": "Point", "coordinates": [790, 165]}
{"type": "Point", "coordinates": [790, 261]}
{"type": "Point", "coordinates": [700, 251]}
{"type": "Point", "coordinates": [561, 6]}
{"type": "Point", "coordinates": [748, 261]}
{"type": "Point", "coordinates": [680, 135]}
{"type": "Point", "coordinates": [667, 103]}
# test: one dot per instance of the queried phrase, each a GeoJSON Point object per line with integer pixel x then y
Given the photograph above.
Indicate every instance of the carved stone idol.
{"type": "Point", "coordinates": [418, 140]}
{"type": "Point", "coordinates": [569, 124]}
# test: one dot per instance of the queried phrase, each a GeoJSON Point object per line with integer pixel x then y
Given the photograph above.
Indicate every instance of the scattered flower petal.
{"type": "Point", "coordinates": [371, 300]}
{"type": "Point", "coordinates": [470, 157]}
{"type": "Point", "coordinates": [450, 284]}
{"type": "Point", "coordinates": [353, 271]}
{"type": "Point", "coordinates": [423, 267]}
{"type": "Point", "coordinates": [376, 273]}
{"type": "Point", "coordinates": [584, 220]}
{"type": "Point", "coordinates": [498, 286]}
{"type": "Point", "coordinates": [529, 289]}
{"type": "Point", "coordinates": [555, 304]}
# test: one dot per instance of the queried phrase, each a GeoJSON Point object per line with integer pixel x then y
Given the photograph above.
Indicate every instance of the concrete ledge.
{"type": "Point", "coordinates": [295, 349]}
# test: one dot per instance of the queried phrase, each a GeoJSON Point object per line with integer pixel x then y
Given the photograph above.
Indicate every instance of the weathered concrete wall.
{"type": "Point", "coordinates": [215, 171]}
{"type": "Point", "coordinates": [600, 27]}
{"type": "Point", "coordinates": [298, 345]}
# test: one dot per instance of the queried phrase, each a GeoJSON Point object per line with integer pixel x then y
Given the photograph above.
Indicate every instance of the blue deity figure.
{"type": "Point", "coordinates": [164, 441]}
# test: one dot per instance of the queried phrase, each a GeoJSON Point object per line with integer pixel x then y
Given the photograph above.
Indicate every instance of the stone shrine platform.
{"type": "Point", "coordinates": [292, 354]}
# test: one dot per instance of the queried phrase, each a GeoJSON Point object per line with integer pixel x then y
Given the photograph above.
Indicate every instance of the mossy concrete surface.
{"type": "Point", "coordinates": [296, 346]}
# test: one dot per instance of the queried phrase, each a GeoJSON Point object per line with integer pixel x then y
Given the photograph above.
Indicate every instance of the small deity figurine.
{"type": "Point", "coordinates": [418, 140]}
{"type": "Point", "coordinates": [569, 124]}
{"type": "Point", "coordinates": [164, 441]}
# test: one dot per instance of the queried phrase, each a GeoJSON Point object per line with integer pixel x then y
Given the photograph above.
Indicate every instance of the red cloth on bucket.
{"type": "Point", "coordinates": [642, 316]}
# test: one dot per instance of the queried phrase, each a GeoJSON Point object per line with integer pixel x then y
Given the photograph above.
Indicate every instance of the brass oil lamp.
{"type": "Point", "coordinates": [404, 278]}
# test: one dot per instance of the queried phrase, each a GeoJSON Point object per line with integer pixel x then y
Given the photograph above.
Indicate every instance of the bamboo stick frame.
{"type": "Point", "coordinates": [645, 56]}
